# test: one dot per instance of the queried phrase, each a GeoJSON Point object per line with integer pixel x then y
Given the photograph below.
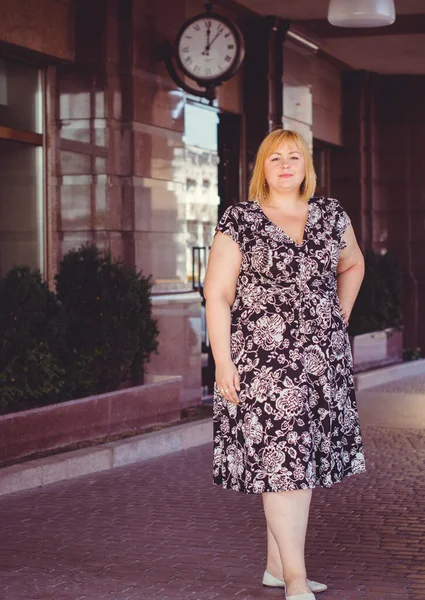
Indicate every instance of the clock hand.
{"type": "Point", "coordinates": [214, 38]}
{"type": "Point", "coordinates": [207, 47]}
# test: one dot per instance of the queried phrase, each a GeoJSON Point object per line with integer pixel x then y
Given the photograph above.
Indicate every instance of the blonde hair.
{"type": "Point", "coordinates": [258, 187]}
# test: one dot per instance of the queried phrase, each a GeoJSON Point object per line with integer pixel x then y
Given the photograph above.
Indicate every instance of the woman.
{"type": "Point", "coordinates": [283, 274]}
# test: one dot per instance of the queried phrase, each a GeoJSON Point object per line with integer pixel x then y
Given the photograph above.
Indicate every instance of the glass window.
{"type": "Point", "coordinates": [21, 167]}
{"type": "Point", "coordinates": [201, 199]}
{"type": "Point", "coordinates": [200, 127]}
{"type": "Point", "coordinates": [21, 205]}
{"type": "Point", "coordinates": [20, 97]}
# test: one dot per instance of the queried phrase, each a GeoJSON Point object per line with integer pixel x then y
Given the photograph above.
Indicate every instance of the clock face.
{"type": "Point", "coordinates": [208, 48]}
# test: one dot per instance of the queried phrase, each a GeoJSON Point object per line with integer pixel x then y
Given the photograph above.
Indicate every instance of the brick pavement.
{"type": "Point", "coordinates": [410, 385]}
{"type": "Point", "coordinates": [160, 530]}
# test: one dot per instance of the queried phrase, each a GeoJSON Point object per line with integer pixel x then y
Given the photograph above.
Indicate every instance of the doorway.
{"type": "Point", "coordinates": [213, 182]}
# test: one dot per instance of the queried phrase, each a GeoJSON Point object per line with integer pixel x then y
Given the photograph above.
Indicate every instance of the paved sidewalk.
{"type": "Point", "coordinates": [160, 530]}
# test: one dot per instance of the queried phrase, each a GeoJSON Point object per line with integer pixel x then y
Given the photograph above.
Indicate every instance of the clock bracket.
{"type": "Point", "coordinates": [167, 55]}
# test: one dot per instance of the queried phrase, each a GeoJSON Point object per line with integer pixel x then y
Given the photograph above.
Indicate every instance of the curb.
{"type": "Point", "coordinates": [67, 465]}
{"type": "Point", "coordinates": [368, 379]}
{"type": "Point", "coordinates": [59, 467]}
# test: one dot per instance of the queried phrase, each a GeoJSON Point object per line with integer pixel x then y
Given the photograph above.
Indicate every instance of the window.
{"type": "Point", "coordinates": [21, 167]}
{"type": "Point", "coordinates": [201, 185]}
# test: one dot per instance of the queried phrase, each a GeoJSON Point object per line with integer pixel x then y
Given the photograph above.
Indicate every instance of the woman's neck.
{"type": "Point", "coordinates": [288, 200]}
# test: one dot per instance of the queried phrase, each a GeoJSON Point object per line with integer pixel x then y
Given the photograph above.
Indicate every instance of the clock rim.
{"type": "Point", "coordinates": [233, 67]}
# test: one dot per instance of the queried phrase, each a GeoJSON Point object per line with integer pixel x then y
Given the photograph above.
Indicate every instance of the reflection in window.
{"type": "Point", "coordinates": [200, 127]}
{"type": "Point", "coordinates": [21, 166]}
{"type": "Point", "coordinates": [20, 97]}
{"type": "Point", "coordinates": [201, 184]}
{"type": "Point", "coordinates": [21, 205]}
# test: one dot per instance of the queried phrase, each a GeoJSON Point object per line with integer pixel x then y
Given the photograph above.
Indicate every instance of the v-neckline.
{"type": "Point", "coordinates": [303, 239]}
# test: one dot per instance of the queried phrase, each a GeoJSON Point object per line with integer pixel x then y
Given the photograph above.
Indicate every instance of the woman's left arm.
{"type": "Point", "coordinates": [350, 273]}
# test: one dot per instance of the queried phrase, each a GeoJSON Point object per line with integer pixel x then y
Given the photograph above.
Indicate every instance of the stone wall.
{"type": "Point", "coordinates": [119, 171]}
{"type": "Point", "coordinates": [43, 26]}
{"type": "Point", "coordinates": [379, 176]}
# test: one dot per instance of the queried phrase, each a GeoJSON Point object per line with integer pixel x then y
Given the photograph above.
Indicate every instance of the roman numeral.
{"type": "Point", "coordinates": [228, 58]}
{"type": "Point", "coordinates": [197, 27]}
{"type": "Point", "coordinates": [185, 49]}
{"type": "Point", "coordinates": [230, 46]}
{"type": "Point", "coordinates": [188, 60]}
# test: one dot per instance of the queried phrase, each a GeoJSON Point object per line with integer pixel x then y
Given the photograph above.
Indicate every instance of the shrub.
{"type": "Point", "coordinates": [409, 354]}
{"type": "Point", "coordinates": [32, 328]}
{"type": "Point", "coordinates": [111, 333]}
{"type": "Point", "coordinates": [379, 303]}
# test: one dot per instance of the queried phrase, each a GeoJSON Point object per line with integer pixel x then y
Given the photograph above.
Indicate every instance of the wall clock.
{"type": "Point", "coordinates": [209, 49]}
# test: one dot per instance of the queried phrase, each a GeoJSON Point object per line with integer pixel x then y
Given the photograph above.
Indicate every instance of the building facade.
{"type": "Point", "coordinates": [99, 144]}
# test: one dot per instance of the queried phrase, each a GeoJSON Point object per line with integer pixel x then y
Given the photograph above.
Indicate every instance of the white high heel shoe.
{"type": "Point", "coordinates": [271, 581]}
{"type": "Point", "coordinates": [307, 596]}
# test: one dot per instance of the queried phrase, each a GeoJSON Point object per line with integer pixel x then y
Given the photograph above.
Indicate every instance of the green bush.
{"type": "Point", "coordinates": [379, 303]}
{"type": "Point", "coordinates": [95, 333]}
{"type": "Point", "coordinates": [412, 354]}
{"type": "Point", "coordinates": [32, 329]}
{"type": "Point", "coordinates": [111, 333]}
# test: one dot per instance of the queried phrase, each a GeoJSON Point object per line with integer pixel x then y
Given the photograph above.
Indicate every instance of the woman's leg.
{"type": "Point", "coordinates": [274, 564]}
{"type": "Point", "coordinates": [287, 517]}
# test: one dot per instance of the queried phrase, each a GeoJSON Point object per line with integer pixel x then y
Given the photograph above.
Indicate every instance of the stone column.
{"type": "Point", "coordinates": [121, 177]}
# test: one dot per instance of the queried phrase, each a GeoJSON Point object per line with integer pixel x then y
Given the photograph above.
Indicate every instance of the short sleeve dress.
{"type": "Point", "coordinates": [296, 425]}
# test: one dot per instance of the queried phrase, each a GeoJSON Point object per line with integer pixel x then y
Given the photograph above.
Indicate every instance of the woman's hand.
{"type": "Point", "coordinates": [345, 314]}
{"type": "Point", "coordinates": [227, 380]}
{"type": "Point", "coordinates": [350, 274]}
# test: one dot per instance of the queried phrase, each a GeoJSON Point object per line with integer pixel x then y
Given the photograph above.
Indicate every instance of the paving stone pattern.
{"type": "Point", "coordinates": [161, 530]}
{"type": "Point", "coordinates": [407, 385]}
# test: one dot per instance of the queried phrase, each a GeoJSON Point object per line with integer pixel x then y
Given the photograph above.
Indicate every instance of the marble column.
{"type": "Point", "coordinates": [121, 178]}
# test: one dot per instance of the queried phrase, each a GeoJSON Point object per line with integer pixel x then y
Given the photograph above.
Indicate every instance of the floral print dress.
{"type": "Point", "coordinates": [296, 424]}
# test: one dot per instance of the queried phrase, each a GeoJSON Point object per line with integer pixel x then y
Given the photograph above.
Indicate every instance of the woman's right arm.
{"type": "Point", "coordinates": [224, 263]}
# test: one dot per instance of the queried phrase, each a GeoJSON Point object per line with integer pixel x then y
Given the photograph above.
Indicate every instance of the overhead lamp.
{"type": "Point", "coordinates": [361, 13]}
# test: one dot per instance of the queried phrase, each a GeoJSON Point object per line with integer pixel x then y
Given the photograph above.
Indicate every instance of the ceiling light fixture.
{"type": "Point", "coordinates": [361, 13]}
